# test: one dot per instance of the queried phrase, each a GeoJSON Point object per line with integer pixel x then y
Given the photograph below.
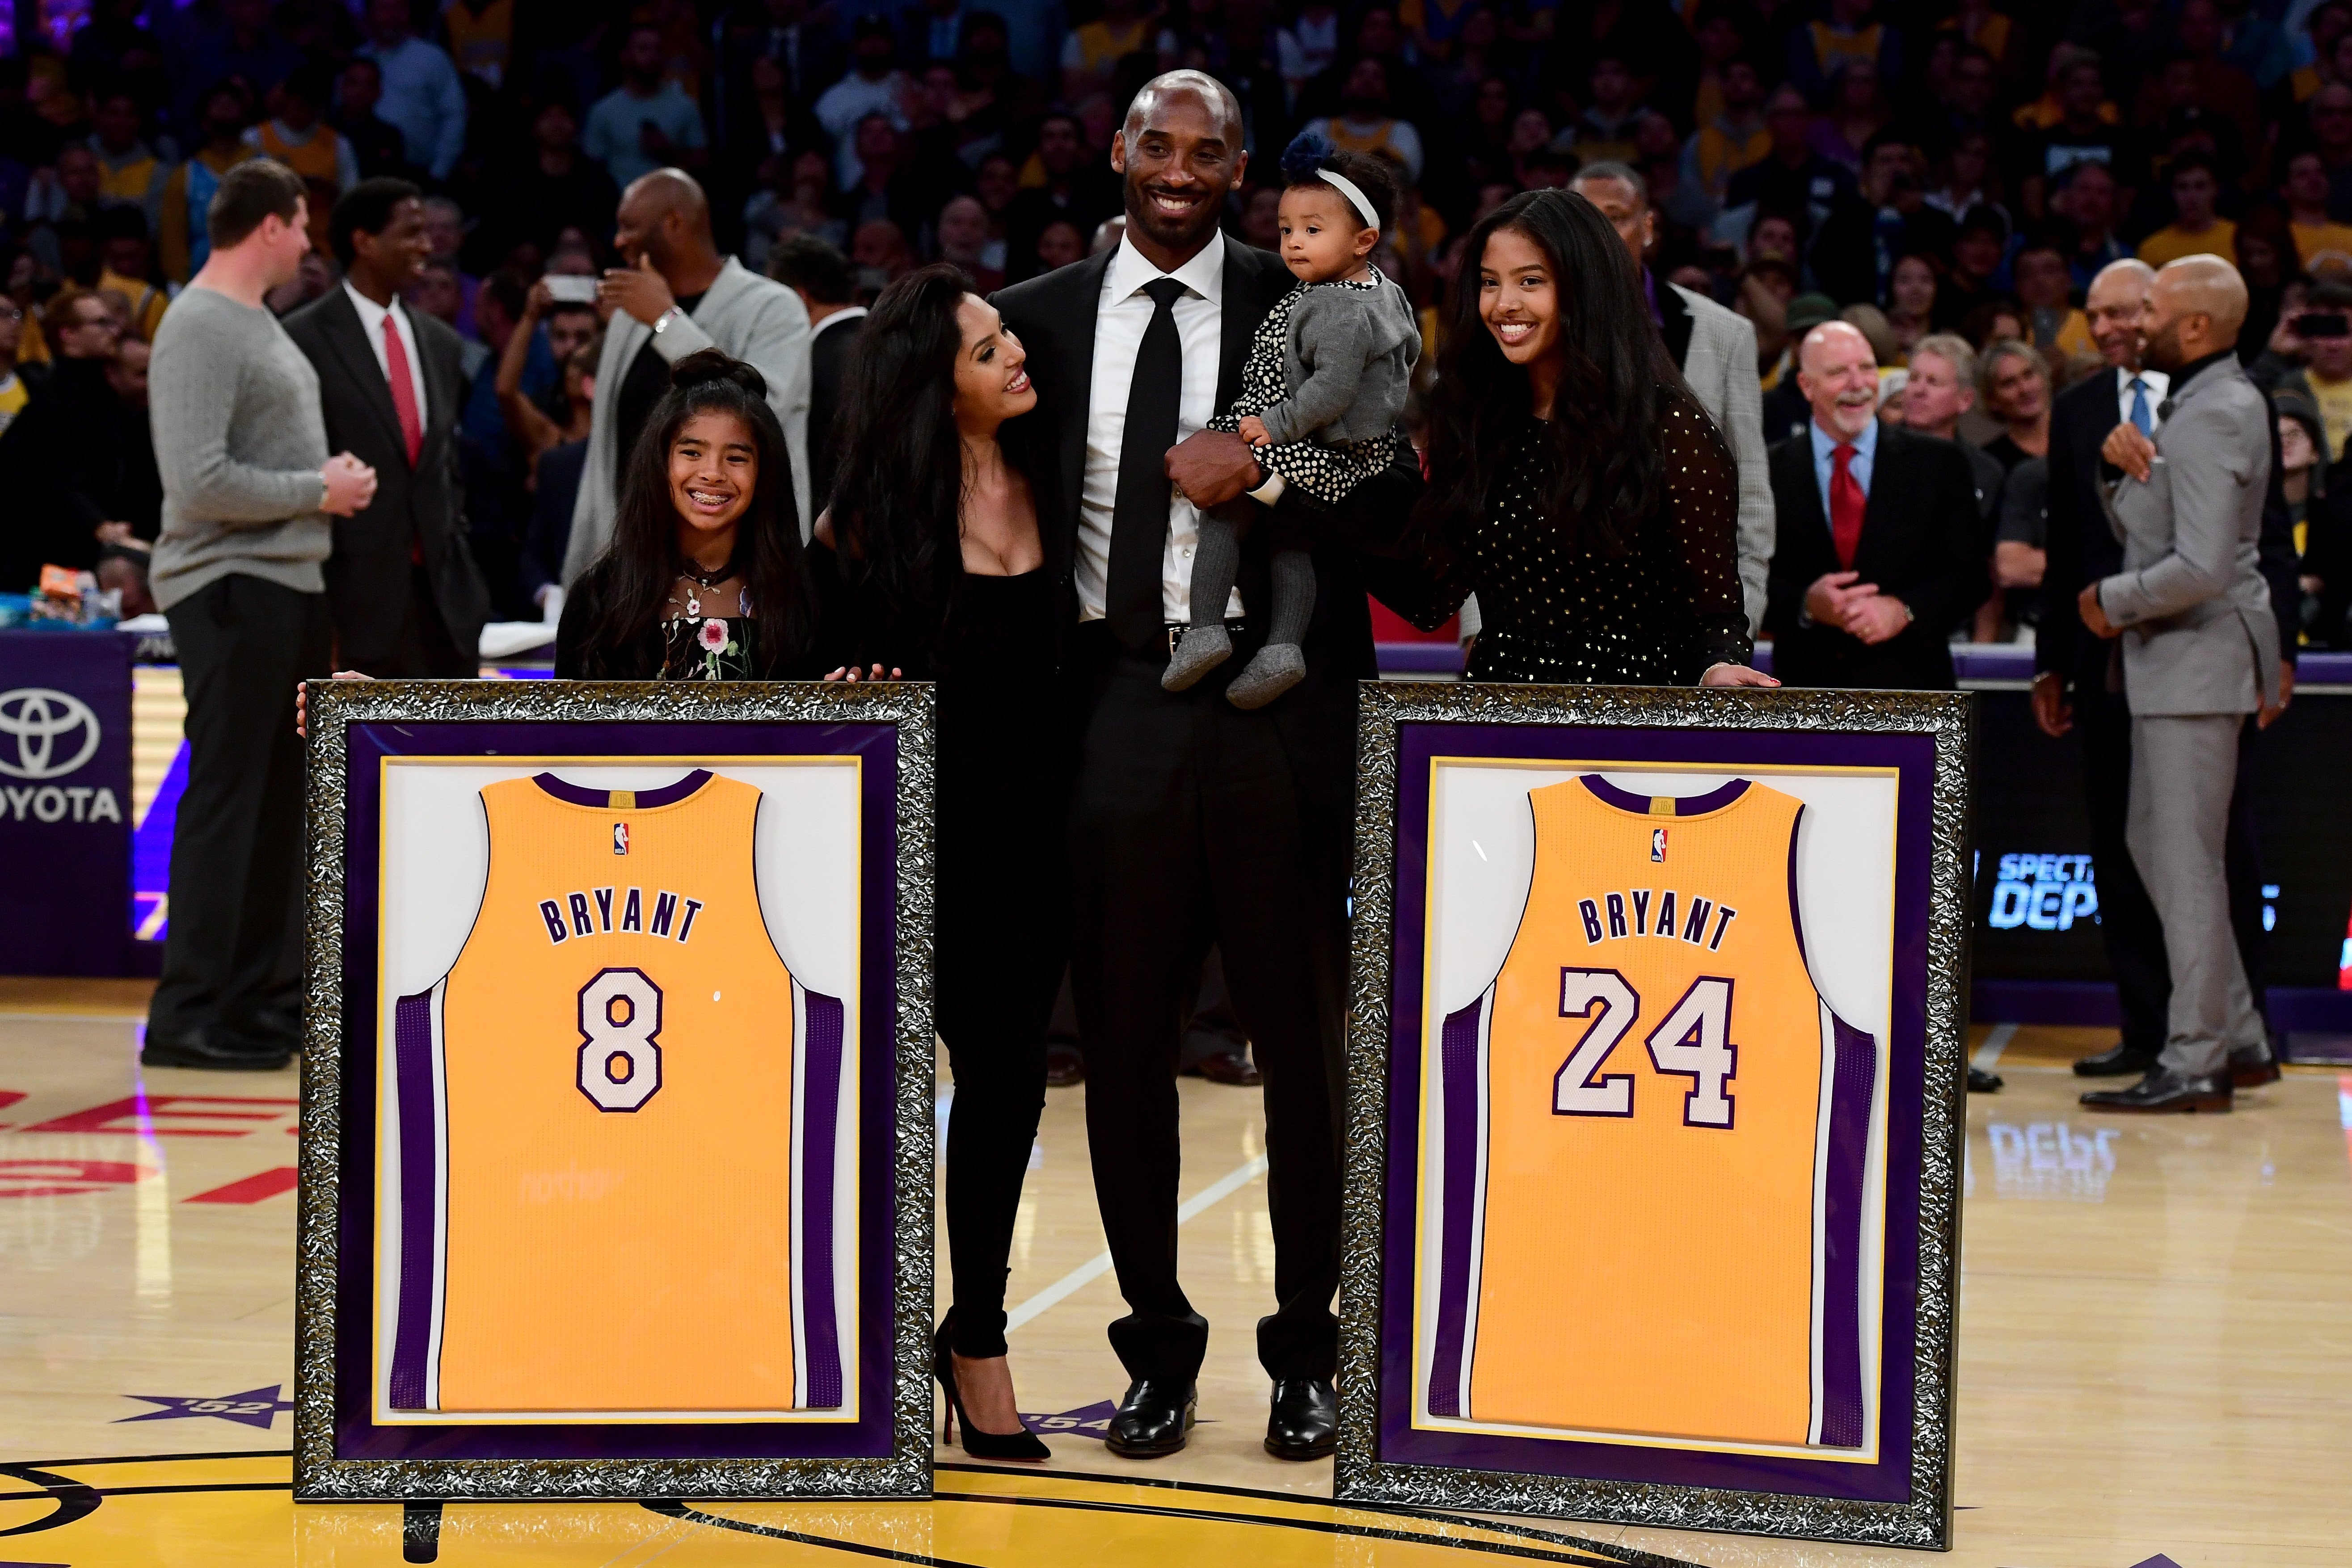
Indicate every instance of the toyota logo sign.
{"type": "Point", "coordinates": [44, 734]}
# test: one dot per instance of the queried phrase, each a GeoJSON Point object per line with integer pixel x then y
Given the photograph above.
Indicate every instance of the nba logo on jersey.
{"type": "Point", "coordinates": [620, 838]}
{"type": "Point", "coordinates": [1643, 1210]}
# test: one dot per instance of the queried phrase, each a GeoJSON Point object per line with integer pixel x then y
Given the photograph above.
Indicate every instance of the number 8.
{"type": "Point", "coordinates": [620, 1015]}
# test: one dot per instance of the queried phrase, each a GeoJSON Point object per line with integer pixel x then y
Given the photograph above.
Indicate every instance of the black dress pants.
{"type": "Point", "coordinates": [233, 956]}
{"type": "Point", "coordinates": [423, 650]}
{"type": "Point", "coordinates": [2129, 927]}
{"type": "Point", "coordinates": [1190, 826]}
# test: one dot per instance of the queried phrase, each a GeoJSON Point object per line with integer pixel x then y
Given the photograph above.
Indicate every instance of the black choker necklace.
{"type": "Point", "coordinates": [711, 580]}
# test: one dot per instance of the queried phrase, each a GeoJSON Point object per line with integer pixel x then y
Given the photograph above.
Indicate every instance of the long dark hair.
{"type": "Point", "coordinates": [624, 590]}
{"type": "Point", "coordinates": [897, 491]}
{"type": "Point", "coordinates": [1605, 465]}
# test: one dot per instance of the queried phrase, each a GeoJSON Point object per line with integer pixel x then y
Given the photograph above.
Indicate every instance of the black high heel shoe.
{"type": "Point", "coordinates": [1022, 1445]}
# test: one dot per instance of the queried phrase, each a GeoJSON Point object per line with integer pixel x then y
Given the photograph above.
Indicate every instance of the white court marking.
{"type": "Point", "coordinates": [1095, 1267]}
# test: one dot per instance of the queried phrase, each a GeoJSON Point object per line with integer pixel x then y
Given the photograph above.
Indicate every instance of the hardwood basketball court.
{"type": "Point", "coordinates": [2156, 1351]}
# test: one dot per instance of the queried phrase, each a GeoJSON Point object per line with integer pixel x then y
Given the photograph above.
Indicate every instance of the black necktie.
{"type": "Point", "coordinates": [1139, 529]}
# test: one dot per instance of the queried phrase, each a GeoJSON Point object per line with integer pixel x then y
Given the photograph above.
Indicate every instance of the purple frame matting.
{"type": "Point", "coordinates": [1913, 755]}
{"type": "Point", "coordinates": [356, 1435]}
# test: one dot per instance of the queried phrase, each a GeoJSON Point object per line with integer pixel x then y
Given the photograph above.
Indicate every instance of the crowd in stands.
{"type": "Point", "coordinates": [1925, 169]}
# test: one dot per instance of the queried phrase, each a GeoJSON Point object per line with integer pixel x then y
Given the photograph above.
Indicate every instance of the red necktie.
{"type": "Point", "coordinates": [404, 391]}
{"type": "Point", "coordinates": [1846, 506]}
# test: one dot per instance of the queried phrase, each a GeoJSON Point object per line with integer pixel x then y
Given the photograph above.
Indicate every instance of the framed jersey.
{"type": "Point", "coordinates": [618, 1039]}
{"type": "Point", "coordinates": [1654, 1110]}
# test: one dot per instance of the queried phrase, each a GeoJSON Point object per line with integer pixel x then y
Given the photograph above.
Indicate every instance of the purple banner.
{"type": "Point", "coordinates": [357, 1434]}
{"type": "Point", "coordinates": [1889, 1479]}
{"type": "Point", "coordinates": [64, 802]}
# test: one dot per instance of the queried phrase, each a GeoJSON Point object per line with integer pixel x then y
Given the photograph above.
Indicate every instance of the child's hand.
{"type": "Point", "coordinates": [1253, 431]}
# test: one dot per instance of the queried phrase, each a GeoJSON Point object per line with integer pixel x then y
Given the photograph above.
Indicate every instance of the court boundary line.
{"type": "Point", "coordinates": [1095, 1267]}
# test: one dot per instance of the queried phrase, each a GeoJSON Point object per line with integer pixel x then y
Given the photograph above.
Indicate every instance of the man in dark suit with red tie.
{"type": "Point", "coordinates": [406, 597]}
{"type": "Point", "coordinates": [1194, 820]}
{"type": "Point", "coordinates": [1880, 552]}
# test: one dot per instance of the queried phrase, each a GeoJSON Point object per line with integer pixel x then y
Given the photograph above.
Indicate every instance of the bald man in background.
{"type": "Point", "coordinates": [676, 297]}
{"type": "Point", "coordinates": [2200, 650]}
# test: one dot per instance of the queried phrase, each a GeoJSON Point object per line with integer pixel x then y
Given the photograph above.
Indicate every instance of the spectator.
{"type": "Point", "coordinates": [2086, 199]}
{"type": "Point", "coordinates": [2264, 248]}
{"type": "Point", "coordinates": [241, 45]}
{"type": "Point", "coordinates": [2321, 518]}
{"type": "Point", "coordinates": [819, 274]}
{"type": "Point", "coordinates": [2015, 383]}
{"type": "Point", "coordinates": [1604, 132]}
{"type": "Point", "coordinates": [534, 428]}
{"type": "Point", "coordinates": [1794, 178]}
{"type": "Point", "coordinates": [2195, 228]}
{"type": "Point", "coordinates": [186, 239]}
{"type": "Point", "coordinates": [1853, 256]}
{"type": "Point", "coordinates": [14, 394]}
{"type": "Point", "coordinates": [2320, 242]}
{"type": "Point", "coordinates": [2221, 87]}
{"type": "Point", "coordinates": [1857, 112]}
{"type": "Point", "coordinates": [647, 122]}
{"type": "Point", "coordinates": [1880, 552]}
{"type": "Point", "coordinates": [1364, 123]}
{"type": "Point", "coordinates": [555, 492]}
{"type": "Point", "coordinates": [1980, 249]}
{"type": "Point", "coordinates": [963, 234]}
{"type": "Point", "coordinates": [248, 490]}
{"type": "Point", "coordinates": [2084, 131]}
{"type": "Point", "coordinates": [795, 198]}
{"type": "Point", "coordinates": [1059, 245]}
{"type": "Point", "coordinates": [296, 136]}
{"type": "Point", "coordinates": [377, 146]}
{"type": "Point", "coordinates": [2323, 328]}
{"type": "Point", "coordinates": [481, 39]}
{"type": "Point", "coordinates": [124, 267]}
{"type": "Point", "coordinates": [60, 462]}
{"type": "Point", "coordinates": [1090, 55]}
{"type": "Point", "coordinates": [129, 170]}
{"type": "Point", "coordinates": [421, 94]}
{"type": "Point", "coordinates": [881, 253]}
{"type": "Point", "coordinates": [1307, 46]}
{"type": "Point", "coordinates": [558, 187]}
{"type": "Point", "coordinates": [888, 187]}
{"type": "Point", "coordinates": [674, 295]}
{"type": "Point", "coordinates": [1942, 388]}
{"type": "Point", "coordinates": [1968, 177]}
{"type": "Point", "coordinates": [806, 52]}
{"type": "Point", "coordinates": [2045, 289]}
{"type": "Point", "coordinates": [1911, 304]}
{"type": "Point", "coordinates": [1071, 188]}
{"type": "Point", "coordinates": [1734, 138]}
{"type": "Point", "coordinates": [874, 86]}
{"type": "Point", "coordinates": [405, 593]}
{"type": "Point", "coordinates": [1849, 32]}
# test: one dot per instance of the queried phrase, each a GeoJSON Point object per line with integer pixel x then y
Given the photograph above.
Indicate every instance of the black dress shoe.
{"type": "Point", "coordinates": [1305, 1421]}
{"type": "Point", "coordinates": [1229, 1067]}
{"type": "Point", "coordinates": [1983, 1082]}
{"type": "Point", "coordinates": [2166, 1090]}
{"type": "Point", "coordinates": [2251, 1066]}
{"type": "Point", "coordinates": [2118, 1060]}
{"type": "Point", "coordinates": [1153, 1417]}
{"type": "Point", "coordinates": [221, 1055]}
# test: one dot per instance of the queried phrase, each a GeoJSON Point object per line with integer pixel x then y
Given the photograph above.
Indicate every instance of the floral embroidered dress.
{"type": "Point", "coordinates": [708, 648]}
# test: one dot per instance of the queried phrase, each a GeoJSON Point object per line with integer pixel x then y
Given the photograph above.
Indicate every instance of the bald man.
{"type": "Point", "coordinates": [1879, 549]}
{"type": "Point", "coordinates": [675, 296]}
{"type": "Point", "coordinates": [1192, 821]}
{"type": "Point", "coordinates": [2199, 644]}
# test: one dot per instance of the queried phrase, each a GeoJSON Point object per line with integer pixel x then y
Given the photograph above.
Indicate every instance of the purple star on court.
{"type": "Point", "coordinates": [253, 1407]}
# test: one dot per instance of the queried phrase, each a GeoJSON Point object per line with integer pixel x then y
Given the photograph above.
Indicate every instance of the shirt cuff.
{"type": "Point", "coordinates": [1271, 491]}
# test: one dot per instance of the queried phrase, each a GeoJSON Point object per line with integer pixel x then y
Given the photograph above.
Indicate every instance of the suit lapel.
{"type": "Point", "coordinates": [1237, 321]}
{"type": "Point", "coordinates": [351, 341]}
{"type": "Point", "coordinates": [442, 393]}
{"type": "Point", "coordinates": [1082, 305]}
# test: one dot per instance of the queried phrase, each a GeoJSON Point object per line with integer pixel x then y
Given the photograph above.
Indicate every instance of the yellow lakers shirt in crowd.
{"type": "Point", "coordinates": [616, 1126]}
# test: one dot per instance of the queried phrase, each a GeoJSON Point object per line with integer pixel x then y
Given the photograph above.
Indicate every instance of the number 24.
{"type": "Point", "coordinates": [1693, 1042]}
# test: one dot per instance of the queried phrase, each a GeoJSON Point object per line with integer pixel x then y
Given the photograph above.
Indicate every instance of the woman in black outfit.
{"type": "Point", "coordinates": [943, 578]}
{"type": "Point", "coordinates": [705, 578]}
{"type": "Point", "coordinates": [1576, 486]}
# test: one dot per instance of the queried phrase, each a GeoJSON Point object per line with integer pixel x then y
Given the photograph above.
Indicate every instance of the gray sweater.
{"type": "Point", "coordinates": [1349, 363]}
{"type": "Point", "coordinates": [239, 441]}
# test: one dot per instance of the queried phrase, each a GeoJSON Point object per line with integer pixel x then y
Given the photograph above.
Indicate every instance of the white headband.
{"type": "Point", "coordinates": [1349, 189]}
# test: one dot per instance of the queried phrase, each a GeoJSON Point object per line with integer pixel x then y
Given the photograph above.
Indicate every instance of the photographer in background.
{"type": "Point", "coordinates": [2319, 335]}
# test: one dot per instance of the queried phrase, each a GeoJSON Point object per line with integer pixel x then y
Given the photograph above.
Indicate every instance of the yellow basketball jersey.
{"type": "Point", "coordinates": [1652, 1135]}
{"type": "Point", "coordinates": [617, 1123]}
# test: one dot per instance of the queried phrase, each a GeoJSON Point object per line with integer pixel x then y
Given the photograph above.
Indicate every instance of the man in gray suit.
{"type": "Point", "coordinates": [2199, 652]}
{"type": "Point", "coordinates": [1716, 351]}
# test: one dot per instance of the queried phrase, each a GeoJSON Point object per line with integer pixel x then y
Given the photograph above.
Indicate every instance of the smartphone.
{"type": "Point", "coordinates": [566, 289]}
{"type": "Point", "coordinates": [2323, 324]}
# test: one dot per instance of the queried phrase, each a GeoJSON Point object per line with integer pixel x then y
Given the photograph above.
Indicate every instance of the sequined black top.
{"type": "Point", "coordinates": [1557, 609]}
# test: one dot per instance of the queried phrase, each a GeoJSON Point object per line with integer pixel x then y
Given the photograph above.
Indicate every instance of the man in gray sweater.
{"type": "Point", "coordinates": [248, 489]}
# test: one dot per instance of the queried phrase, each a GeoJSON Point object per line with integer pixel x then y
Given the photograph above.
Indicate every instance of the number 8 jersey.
{"type": "Point", "coordinates": [616, 1126]}
{"type": "Point", "coordinates": [1646, 1216]}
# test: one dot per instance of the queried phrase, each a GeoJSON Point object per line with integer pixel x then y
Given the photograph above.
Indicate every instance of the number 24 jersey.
{"type": "Point", "coordinates": [1647, 1214]}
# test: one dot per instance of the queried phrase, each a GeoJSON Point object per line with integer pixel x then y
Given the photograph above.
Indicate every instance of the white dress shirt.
{"type": "Point", "coordinates": [371, 317]}
{"type": "Point", "coordinates": [1119, 322]}
{"type": "Point", "coordinates": [2158, 383]}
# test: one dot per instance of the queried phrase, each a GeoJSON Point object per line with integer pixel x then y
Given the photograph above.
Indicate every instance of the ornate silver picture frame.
{"type": "Point", "coordinates": [397, 762]}
{"type": "Point", "coordinates": [1447, 770]}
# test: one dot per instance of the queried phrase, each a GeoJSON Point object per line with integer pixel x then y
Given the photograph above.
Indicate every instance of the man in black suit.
{"type": "Point", "coordinates": [819, 274]}
{"type": "Point", "coordinates": [1880, 552]}
{"type": "Point", "coordinates": [1194, 820]}
{"type": "Point", "coordinates": [406, 597]}
{"type": "Point", "coordinates": [2072, 689]}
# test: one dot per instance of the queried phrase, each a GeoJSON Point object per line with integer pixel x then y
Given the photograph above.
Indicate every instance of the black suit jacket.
{"type": "Point", "coordinates": [2083, 546]}
{"type": "Point", "coordinates": [1922, 542]}
{"type": "Point", "coordinates": [829, 349]}
{"type": "Point", "coordinates": [1054, 316]}
{"type": "Point", "coordinates": [368, 574]}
